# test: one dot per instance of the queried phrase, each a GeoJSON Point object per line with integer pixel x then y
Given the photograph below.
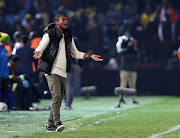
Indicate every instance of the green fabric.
{"type": "Point", "coordinates": [14, 87]}
{"type": "Point", "coordinates": [4, 37]}
{"type": "Point", "coordinates": [22, 77]}
{"type": "Point", "coordinates": [10, 76]}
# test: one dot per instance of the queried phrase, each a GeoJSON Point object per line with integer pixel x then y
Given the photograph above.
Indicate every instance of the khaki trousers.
{"type": "Point", "coordinates": [128, 77]}
{"type": "Point", "coordinates": [57, 87]}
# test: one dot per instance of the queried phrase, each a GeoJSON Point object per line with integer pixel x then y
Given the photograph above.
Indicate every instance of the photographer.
{"type": "Point", "coordinates": [126, 47]}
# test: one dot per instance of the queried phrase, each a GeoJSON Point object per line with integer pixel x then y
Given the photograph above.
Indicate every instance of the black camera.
{"type": "Point", "coordinates": [123, 43]}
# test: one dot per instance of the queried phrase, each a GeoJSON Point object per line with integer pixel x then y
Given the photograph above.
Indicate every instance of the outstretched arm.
{"type": "Point", "coordinates": [42, 46]}
{"type": "Point", "coordinates": [81, 55]}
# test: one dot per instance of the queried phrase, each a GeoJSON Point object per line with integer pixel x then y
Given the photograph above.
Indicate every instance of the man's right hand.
{"type": "Point", "coordinates": [37, 54]}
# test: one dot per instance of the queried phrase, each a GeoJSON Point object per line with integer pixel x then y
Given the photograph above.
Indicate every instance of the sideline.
{"type": "Point", "coordinates": [166, 132]}
{"type": "Point", "coordinates": [102, 120]}
{"type": "Point", "coordinates": [98, 122]}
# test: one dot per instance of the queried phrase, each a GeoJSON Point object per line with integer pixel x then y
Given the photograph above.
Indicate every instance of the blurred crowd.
{"type": "Point", "coordinates": [96, 22]}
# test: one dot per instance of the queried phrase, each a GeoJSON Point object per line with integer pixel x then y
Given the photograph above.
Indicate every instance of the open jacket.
{"type": "Point", "coordinates": [50, 53]}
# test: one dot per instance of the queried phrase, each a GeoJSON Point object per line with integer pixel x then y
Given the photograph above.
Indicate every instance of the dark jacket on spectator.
{"type": "Point", "coordinates": [130, 59]}
{"type": "Point", "coordinates": [26, 55]}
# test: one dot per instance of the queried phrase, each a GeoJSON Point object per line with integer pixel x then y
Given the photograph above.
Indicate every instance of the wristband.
{"type": "Point", "coordinates": [89, 56]}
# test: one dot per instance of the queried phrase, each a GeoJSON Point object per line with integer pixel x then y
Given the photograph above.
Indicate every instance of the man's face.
{"type": "Point", "coordinates": [17, 64]}
{"type": "Point", "coordinates": [62, 23]}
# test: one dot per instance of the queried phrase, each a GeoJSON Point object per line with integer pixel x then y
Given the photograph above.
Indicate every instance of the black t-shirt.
{"type": "Point", "coordinates": [130, 59]}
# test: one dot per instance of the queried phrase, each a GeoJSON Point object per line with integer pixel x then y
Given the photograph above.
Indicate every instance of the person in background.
{"type": "Point", "coordinates": [34, 39]}
{"type": "Point", "coordinates": [34, 42]}
{"type": "Point", "coordinates": [26, 55]}
{"type": "Point", "coordinates": [4, 70]}
{"type": "Point", "coordinates": [19, 92]}
{"type": "Point", "coordinates": [9, 85]}
{"type": "Point", "coordinates": [126, 47]}
{"type": "Point", "coordinates": [17, 38]}
{"type": "Point", "coordinates": [6, 44]}
{"type": "Point", "coordinates": [56, 49]}
{"type": "Point", "coordinates": [73, 80]}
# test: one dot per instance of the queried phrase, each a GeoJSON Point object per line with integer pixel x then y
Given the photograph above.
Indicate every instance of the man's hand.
{"type": "Point", "coordinates": [37, 54]}
{"type": "Point", "coordinates": [96, 57]}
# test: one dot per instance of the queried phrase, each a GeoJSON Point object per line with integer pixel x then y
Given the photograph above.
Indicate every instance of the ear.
{"type": "Point", "coordinates": [56, 22]}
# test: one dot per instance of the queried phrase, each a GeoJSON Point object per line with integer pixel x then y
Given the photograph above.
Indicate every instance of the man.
{"type": "Point", "coordinates": [73, 80]}
{"type": "Point", "coordinates": [5, 41]}
{"type": "Point", "coordinates": [126, 47]}
{"type": "Point", "coordinates": [4, 70]}
{"type": "Point", "coordinates": [26, 55]}
{"type": "Point", "coordinates": [17, 38]}
{"type": "Point", "coordinates": [34, 39]}
{"type": "Point", "coordinates": [56, 48]}
{"type": "Point", "coordinates": [18, 92]}
{"type": "Point", "coordinates": [9, 85]}
{"type": "Point", "coordinates": [34, 42]}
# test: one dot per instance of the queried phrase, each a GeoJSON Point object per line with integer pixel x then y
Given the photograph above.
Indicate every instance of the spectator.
{"type": "Point", "coordinates": [9, 85]}
{"type": "Point", "coordinates": [19, 92]}
{"type": "Point", "coordinates": [26, 55]}
{"type": "Point", "coordinates": [73, 80]}
{"type": "Point", "coordinates": [34, 39]}
{"type": "Point", "coordinates": [125, 28]}
{"type": "Point", "coordinates": [34, 42]}
{"type": "Point", "coordinates": [4, 38]}
{"type": "Point", "coordinates": [27, 23]}
{"type": "Point", "coordinates": [38, 24]}
{"type": "Point", "coordinates": [17, 39]}
{"type": "Point", "coordinates": [17, 26]}
{"type": "Point", "coordinates": [6, 43]}
{"type": "Point", "coordinates": [173, 17]}
{"type": "Point", "coordinates": [2, 6]}
{"type": "Point", "coordinates": [164, 24]}
{"type": "Point", "coordinates": [4, 70]}
{"type": "Point", "coordinates": [5, 26]}
{"type": "Point", "coordinates": [146, 17]}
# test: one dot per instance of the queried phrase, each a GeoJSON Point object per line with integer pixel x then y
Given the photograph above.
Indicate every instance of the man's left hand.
{"type": "Point", "coordinates": [96, 57]}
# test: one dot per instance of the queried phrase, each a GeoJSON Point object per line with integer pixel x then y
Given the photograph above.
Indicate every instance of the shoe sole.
{"type": "Point", "coordinates": [60, 128]}
{"type": "Point", "coordinates": [50, 131]}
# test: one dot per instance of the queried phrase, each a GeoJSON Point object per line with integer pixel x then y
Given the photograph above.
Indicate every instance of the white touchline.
{"type": "Point", "coordinates": [165, 132]}
{"type": "Point", "coordinates": [10, 131]}
{"type": "Point", "coordinates": [97, 122]}
{"type": "Point", "coordinates": [102, 120]}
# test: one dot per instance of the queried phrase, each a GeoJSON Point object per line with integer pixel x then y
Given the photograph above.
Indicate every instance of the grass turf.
{"type": "Point", "coordinates": [97, 117]}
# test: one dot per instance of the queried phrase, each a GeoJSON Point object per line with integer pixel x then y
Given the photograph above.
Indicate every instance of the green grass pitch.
{"type": "Point", "coordinates": [155, 116]}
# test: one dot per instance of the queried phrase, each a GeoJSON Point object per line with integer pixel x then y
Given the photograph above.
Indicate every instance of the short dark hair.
{"type": "Point", "coordinates": [25, 39]}
{"type": "Point", "coordinates": [56, 18]}
{"type": "Point", "coordinates": [14, 58]}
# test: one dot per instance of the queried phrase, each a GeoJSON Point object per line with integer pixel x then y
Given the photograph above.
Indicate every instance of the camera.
{"type": "Point", "coordinates": [123, 43]}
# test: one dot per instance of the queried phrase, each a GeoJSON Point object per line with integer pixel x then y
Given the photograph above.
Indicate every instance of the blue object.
{"type": "Point", "coordinates": [10, 99]}
{"type": "Point", "coordinates": [4, 69]}
{"type": "Point", "coordinates": [25, 84]}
